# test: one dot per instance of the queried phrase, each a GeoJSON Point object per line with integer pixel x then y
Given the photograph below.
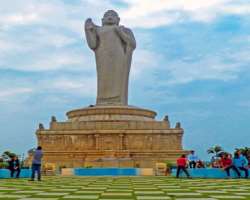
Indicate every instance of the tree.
{"type": "Point", "coordinates": [7, 155]}
{"type": "Point", "coordinates": [4, 159]}
{"type": "Point", "coordinates": [245, 151]}
{"type": "Point", "coordinates": [215, 150]}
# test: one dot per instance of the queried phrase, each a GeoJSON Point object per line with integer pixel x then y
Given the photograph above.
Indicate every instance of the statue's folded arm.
{"type": "Point", "coordinates": [127, 36]}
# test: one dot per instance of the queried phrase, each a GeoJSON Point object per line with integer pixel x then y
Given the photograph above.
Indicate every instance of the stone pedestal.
{"type": "Point", "coordinates": [110, 136]}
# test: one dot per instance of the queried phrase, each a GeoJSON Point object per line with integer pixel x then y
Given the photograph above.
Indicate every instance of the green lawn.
{"type": "Point", "coordinates": [124, 188]}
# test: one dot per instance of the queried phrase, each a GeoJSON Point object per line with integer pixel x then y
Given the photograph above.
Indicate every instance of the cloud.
{"type": "Point", "coordinates": [160, 70]}
{"type": "Point", "coordinates": [46, 35]}
{"type": "Point", "coordinates": [47, 61]}
{"type": "Point", "coordinates": [150, 14]}
{"type": "Point", "coordinates": [237, 9]}
{"type": "Point", "coordinates": [13, 93]}
{"type": "Point", "coordinates": [17, 13]}
{"type": "Point", "coordinates": [84, 87]}
{"type": "Point", "coordinates": [23, 88]}
{"type": "Point", "coordinates": [50, 13]}
{"type": "Point", "coordinates": [137, 13]}
{"type": "Point", "coordinates": [50, 33]}
{"type": "Point", "coordinates": [181, 72]}
{"type": "Point", "coordinates": [211, 67]}
{"type": "Point", "coordinates": [59, 60]}
{"type": "Point", "coordinates": [244, 104]}
{"type": "Point", "coordinates": [50, 37]}
{"type": "Point", "coordinates": [144, 60]}
{"type": "Point", "coordinates": [42, 50]}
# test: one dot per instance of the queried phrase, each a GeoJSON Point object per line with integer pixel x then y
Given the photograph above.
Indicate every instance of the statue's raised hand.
{"type": "Point", "coordinates": [89, 25]}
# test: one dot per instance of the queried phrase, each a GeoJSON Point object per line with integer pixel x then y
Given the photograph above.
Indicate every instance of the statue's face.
{"type": "Point", "coordinates": [110, 18]}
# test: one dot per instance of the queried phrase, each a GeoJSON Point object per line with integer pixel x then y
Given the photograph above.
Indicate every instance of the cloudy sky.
{"type": "Point", "coordinates": [192, 63]}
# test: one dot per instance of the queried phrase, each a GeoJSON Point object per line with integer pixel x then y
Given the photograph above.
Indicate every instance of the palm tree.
{"type": "Point", "coordinates": [245, 151]}
{"type": "Point", "coordinates": [215, 150]}
{"type": "Point", "coordinates": [7, 155]}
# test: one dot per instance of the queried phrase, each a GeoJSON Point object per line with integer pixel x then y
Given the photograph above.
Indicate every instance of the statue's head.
{"type": "Point", "coordinates": [110, 17]}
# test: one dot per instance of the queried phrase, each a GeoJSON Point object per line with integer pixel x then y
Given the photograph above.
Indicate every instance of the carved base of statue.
{"type": "Point", "coordinates": [110, 136]}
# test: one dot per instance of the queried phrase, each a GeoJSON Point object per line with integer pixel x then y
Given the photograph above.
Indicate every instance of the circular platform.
{"type": "Point", "coordinates": [111, 113]}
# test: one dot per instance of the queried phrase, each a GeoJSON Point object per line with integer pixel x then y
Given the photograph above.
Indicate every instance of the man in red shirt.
{"type": "Point", "coordinates": [227, 164]}
{"type": "Point", "coordinates": [182, 165]}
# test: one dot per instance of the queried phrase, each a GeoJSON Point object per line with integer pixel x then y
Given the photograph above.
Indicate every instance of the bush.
{"type": "Point", "coordinates": [170, 166]}
{"type": "Point", "coordinates": [4, 165]}
{"type": "Point", "coordinates": [62, 167]}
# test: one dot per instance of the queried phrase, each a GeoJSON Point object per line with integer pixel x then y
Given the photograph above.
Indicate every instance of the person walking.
{"type": "Point", "coordinates": [182, 166]}
{"type": "Point", "coordinates": [192, 159]}
{"type": "Point", "coordinates": [241, 162]}
{"type": "Point", "coordinates": [14, 166]}
{"type": "Point", "coordinates": [227, 164]}
{"type": "Point", "coordinates": [36, 164]}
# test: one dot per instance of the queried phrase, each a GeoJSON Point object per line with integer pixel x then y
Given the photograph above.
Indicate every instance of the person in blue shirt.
{"type": "Point", "coordinates": [36, 164]}
{"type": "Point", "coordinates": [192, 159]}
{"type": "Point", "coordinates": [241, 163]}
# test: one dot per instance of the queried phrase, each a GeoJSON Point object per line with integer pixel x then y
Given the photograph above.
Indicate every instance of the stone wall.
{"type": "Point", "coordinates": [114, 142]}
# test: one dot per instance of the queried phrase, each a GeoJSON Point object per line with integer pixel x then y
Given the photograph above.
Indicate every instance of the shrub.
{"type": "Point", "coordinates": [4, 165]}
{"type": "Point", "coordinates": [170, 165]}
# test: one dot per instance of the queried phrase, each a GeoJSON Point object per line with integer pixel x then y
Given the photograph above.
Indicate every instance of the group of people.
{"type": "Point", "coordinates": [226, 162]}
{"type": "Point", "coordinates": [237, 163]}
{"type": "Point", "coordinates": [15, 166]}
{"type": "Point", "coordinates": [194, 161]}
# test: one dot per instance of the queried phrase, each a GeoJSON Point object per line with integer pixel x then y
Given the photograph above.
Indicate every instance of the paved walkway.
{"type": "Point", "coordinates": [124, 188]}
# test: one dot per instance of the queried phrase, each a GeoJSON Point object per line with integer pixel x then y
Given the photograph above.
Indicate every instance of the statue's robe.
{"type": "Point", "coordinates": [113, 54]}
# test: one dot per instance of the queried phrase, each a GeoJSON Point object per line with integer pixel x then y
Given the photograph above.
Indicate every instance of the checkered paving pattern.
{"type": "Point", "coordinates": [124, 188]}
